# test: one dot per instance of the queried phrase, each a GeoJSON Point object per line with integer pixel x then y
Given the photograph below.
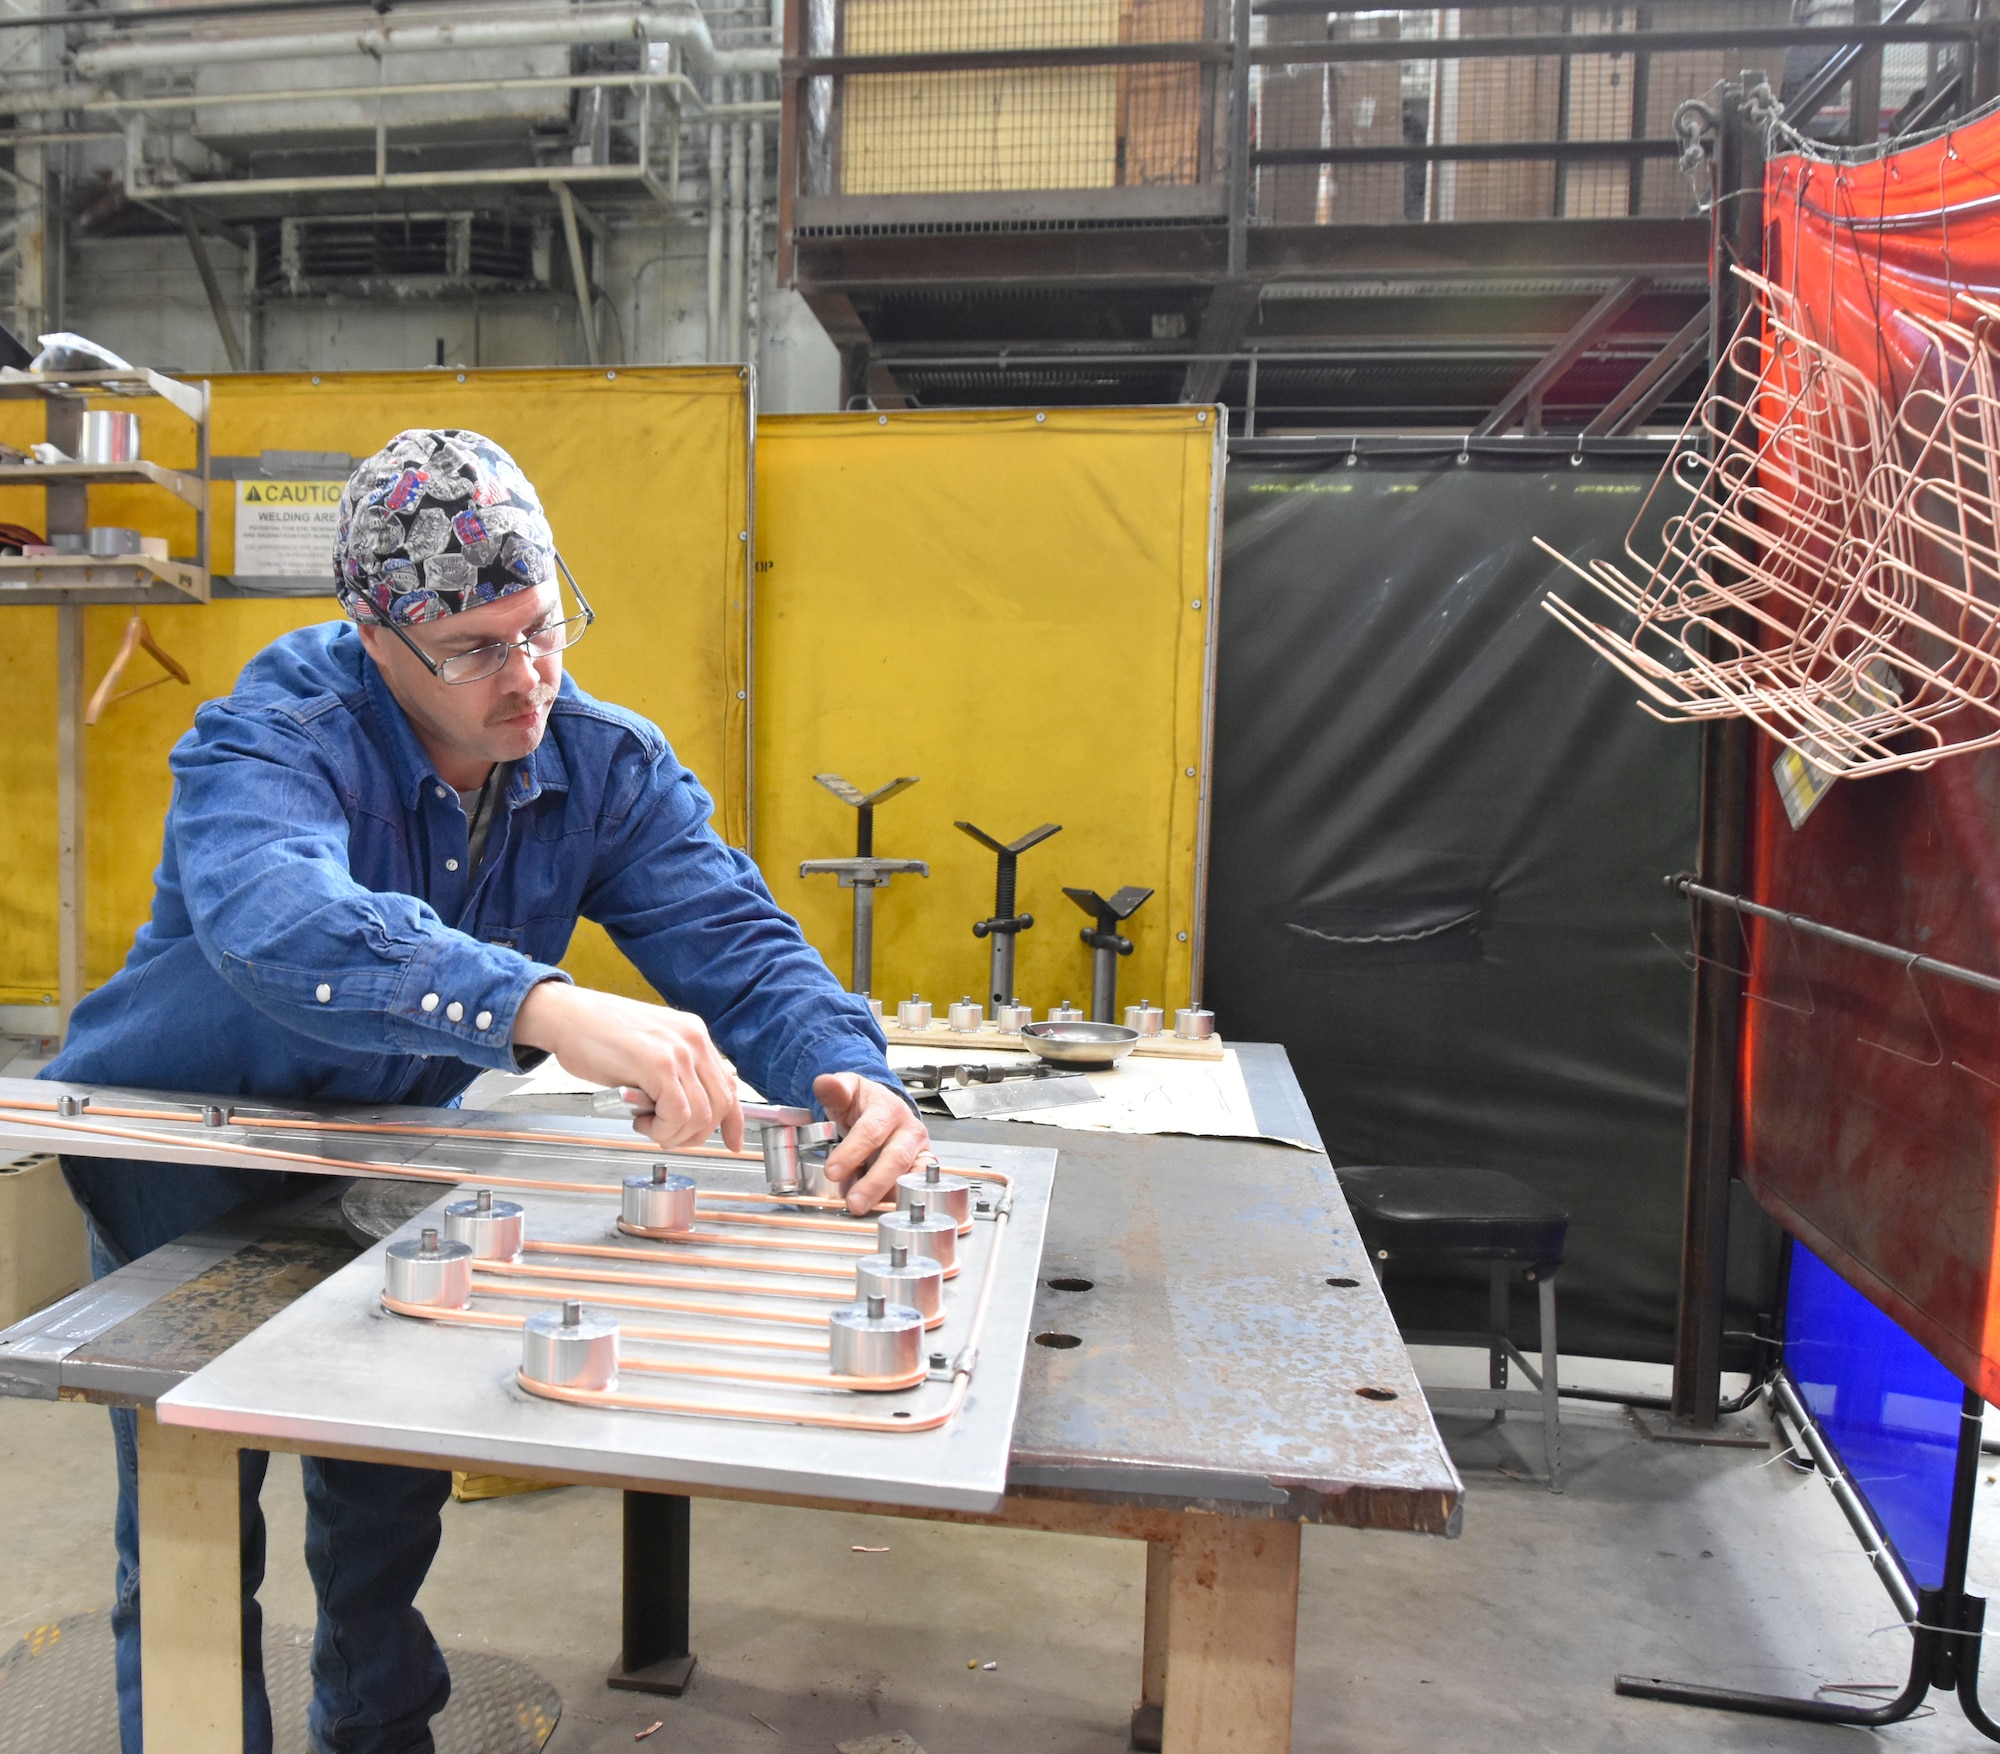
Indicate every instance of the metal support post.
{"type": "Point", "coordinates": [1107, 943]}
{"type": "Point", "coordinates": [864, 873]}
{"type": "Point", "coordinates": [1738, 217]}
{"type": "Point", "coordinates": [1005, 924]}
{"type": "Point", "coordinates": [655, 1657]}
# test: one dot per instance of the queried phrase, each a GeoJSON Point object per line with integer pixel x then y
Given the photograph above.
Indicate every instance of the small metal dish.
{"type": "Point", "coordinates": [1090, 1045]}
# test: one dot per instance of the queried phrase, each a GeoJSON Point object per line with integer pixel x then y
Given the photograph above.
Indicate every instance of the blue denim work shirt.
{"type": "Point", "coordinates": [316, 932]}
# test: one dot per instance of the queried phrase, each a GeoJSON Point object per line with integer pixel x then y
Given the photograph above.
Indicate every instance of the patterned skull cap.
{"type": "Point", "coordinates": [438, 520]}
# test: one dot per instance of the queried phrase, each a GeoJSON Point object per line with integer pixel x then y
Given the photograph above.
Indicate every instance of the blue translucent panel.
{"type": "Point", "coordinates": [1888, 1407]}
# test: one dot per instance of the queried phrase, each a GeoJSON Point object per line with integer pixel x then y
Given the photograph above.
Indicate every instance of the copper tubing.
{"type": "Point", "coordinates": [632, 1300]}
{"type": "Point", "coordinates": [751, 1266]}
{"type": "Point", "coordinates": [708, 1239]}
{"type": "Point", "coordinates": [42, 1114]}
{"type": "Point", "coordinates": [483, 1318]}
{"type": "Point", "coordinates": [583, 1275]}
{"type": "Point", "coordinates": [599, 1252]}
{"type": "Point", "coordinates": [788, 1379]}
{"type": "Point", "coordinates": [528, 1272]}
{"type": "Point", "coordinates": [764, 1415]}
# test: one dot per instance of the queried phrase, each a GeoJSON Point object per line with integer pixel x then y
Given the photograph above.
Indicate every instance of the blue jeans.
{"type": "Point", "coordinates": [371, 1531]}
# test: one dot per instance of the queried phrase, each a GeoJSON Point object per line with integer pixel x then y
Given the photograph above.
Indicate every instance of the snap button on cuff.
{"type": "Point", "coordinates": [454, 1011]}
{"type": "Point", "coordinates": [322, 992]}
{"type": "Point", "coordinates": [429, 1001]}
{"type": "Point", "coordinates": [483, 1021]}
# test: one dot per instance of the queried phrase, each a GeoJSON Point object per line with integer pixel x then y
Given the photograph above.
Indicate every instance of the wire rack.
{"type": "Point", "coordinates": [1834, 571]}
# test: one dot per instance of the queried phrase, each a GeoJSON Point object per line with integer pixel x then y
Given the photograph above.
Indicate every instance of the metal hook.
{"type": "Point", "coordinates": [1937, 1041]}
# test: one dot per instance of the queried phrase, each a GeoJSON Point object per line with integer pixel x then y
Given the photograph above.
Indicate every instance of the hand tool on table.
{"type": "Point", "coordinates": [1005, 923]}
{"type": "Point", "coordinates": [971, 1092]}
{"type": "Point", "coordinates": [1107, 943]}
{"type": "Point", "coordinates": [864, 873]}
{"type": "Point", "coordinates": [794, 1140]}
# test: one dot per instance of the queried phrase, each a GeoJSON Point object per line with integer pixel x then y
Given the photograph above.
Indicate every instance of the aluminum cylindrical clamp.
{"type": "Point", "coordinates": [914, 1013]}
{"type": "Point", "coordinates": [1146, 1018]}
{"type": "Point", "coordinates": [931, 1187]}
{"type": "Point", "coordinates": [966, 1017]}
{"type": "Point", "coordinates": [875, 1338]}
{"type": "Point", "coordinates": [493, 1229]}
{"type": "Point", "coordinates": [428, 1272]}
{"type": "Point", "coordinates": [922, 1232]}
{"type": "Point", "coordinates": [1194, 1024]}
{"type": "Point", "coordinates": [1065, 1013]}
{"type": "Point", "coordinates": [916, 1281]}
{"type": "Point", "coordinates": [570, 1349]}
{"type": "Point", "coordinates": [658, 1200]}
{"type": "Point", "coordinates": [1012, 1019]}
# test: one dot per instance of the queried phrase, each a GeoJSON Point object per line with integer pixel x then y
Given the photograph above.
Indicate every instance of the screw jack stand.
{"type": "Point", "coordinates": [1005, 923]}
{"type": "Point", "coordinates": [864, 873]}
{"type": "Point", "coordinates": [1107, 943]}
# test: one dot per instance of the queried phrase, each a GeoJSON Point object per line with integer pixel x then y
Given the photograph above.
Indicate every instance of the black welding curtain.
{"type": "Point", "coordinates": [1441, 830]}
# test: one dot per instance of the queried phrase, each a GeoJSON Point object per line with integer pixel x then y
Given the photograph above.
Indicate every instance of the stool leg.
{"type": "Point", "coordinates": [1496, 1331]}
{"type": "Point", "coordinates": [1551, 1405]}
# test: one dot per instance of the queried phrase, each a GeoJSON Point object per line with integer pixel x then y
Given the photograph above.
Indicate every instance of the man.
{"type": "Point", "coordinates": [376, 852]}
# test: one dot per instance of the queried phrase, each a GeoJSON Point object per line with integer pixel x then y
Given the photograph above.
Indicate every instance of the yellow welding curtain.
{"type": "Point", "coordinates": [1018, 609]}
{"type": "Point", "coordinates": [645, 473]}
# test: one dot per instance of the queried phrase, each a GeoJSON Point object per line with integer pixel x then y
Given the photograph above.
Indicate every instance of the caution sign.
{"type": "Point", "coordinates": [285, 529]}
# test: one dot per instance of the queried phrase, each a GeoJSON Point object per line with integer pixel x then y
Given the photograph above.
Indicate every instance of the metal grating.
{"type": "Point", "coordinates": [403, 255]}
{"type": "Point", "coordinates": [57, 1695]}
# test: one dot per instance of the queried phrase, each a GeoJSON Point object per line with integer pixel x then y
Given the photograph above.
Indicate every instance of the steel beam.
{"type": "Point", "coordinates": [1726, 745]}
{"type": "Point", "coordinates": [1654, 381]}
{"type": "Point", "coordinates": [1524, 399]}
{"type": "Point", "coordinates": [1231, 306]}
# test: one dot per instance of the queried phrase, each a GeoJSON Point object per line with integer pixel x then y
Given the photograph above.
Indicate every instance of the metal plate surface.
{"type": "Point", "coordinates": [336, 1369]}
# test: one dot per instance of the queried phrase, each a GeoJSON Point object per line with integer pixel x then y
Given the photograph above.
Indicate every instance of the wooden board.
{"type": "Point", "coordinates": [939, 1035]}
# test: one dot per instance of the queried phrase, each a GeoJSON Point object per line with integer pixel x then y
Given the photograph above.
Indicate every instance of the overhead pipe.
{"type": "Point", "coordinates": [733, 322]}
{"type": "Point", "coordinates": [753, 292]}
{"type": "Point", "coordinates": [712, 338]}
{"type": "Point", "coordinates": [687, 30]}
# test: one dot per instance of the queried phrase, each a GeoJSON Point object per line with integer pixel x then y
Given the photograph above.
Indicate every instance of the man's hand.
{"type": "Point", "coordinates": [884, 1137]}
{"type": "Point", "coordinates": [664, 1054]}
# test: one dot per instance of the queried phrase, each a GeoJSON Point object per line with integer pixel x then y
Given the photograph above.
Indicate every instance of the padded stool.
{"type": "Point", "coordinates": [1474, 1215]}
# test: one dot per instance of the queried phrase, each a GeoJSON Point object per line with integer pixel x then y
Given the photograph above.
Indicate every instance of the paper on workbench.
{"type": "Point", "coordinates": [1207, 1098]}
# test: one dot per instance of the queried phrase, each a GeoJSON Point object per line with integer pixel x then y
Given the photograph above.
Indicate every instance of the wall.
{"type": "Point", "coordinates": [142, 298]}
{"type": "Point", "coordinates": [669, 593]}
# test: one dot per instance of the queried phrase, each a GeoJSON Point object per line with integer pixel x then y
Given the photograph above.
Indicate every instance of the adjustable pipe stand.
{"type": "Point", "coordinates": [1107, 943]}
{"type": "Point", "coordinates": [1005, 922]}
{"type": "Point", "coordinates": [864, 873]}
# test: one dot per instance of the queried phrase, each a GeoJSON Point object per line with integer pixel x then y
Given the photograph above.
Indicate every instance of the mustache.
{"type": "Point", "coordinates": [514, 705]}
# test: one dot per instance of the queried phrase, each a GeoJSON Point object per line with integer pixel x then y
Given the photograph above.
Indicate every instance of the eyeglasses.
{"type": "Point", "coordinates": [484, 661]}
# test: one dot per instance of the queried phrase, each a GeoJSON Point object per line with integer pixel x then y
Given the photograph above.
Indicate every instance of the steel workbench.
{"type": "Point", "coordinates": [1225, 1370]}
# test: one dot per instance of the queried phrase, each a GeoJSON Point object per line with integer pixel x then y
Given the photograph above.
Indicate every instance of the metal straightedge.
{"type": "Point", "coordinates": [864, 873]}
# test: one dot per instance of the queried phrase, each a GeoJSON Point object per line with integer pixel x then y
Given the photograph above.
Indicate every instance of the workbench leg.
{"type": "Point", "coordinates": [191, 1590]}
{"type": "Point", "coordinates": [1146, 1715]}
{"type": "Point", "coordinates": [1232, 1636]}
{"type": "Point", "coordinates": [655, 1658]}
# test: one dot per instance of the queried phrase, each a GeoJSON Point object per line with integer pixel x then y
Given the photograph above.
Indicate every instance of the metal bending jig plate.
{"type": "Point", "coordinates": [336, 1368]}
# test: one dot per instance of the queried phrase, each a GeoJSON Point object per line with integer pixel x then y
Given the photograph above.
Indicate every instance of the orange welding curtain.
{"type": "Point", "coordinates": [1871, 1094]}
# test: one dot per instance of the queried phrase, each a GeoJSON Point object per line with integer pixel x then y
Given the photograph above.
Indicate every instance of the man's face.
{"type": "Point", "coordinates": [466, 727]}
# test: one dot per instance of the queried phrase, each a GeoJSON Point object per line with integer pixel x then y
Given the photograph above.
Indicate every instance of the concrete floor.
{"type": "Point", "coordinates": [1708, 1564]}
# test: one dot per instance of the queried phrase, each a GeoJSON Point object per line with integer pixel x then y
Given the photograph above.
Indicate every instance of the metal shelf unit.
{"type": "Point", "coordinates": [71, 579]}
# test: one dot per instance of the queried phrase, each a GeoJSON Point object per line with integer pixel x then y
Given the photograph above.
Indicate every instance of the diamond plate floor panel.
{"type": "Point", "coordinates": [57, 1695]}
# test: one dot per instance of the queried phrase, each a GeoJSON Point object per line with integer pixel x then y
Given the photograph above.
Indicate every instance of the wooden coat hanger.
{"type": "Point", "coordinates": [137, 634]}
